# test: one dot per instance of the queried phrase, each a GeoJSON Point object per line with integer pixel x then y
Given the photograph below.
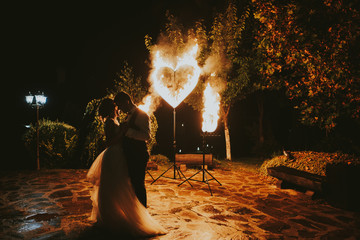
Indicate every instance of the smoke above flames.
{"type": "Point", "coordinates": [214, 65]}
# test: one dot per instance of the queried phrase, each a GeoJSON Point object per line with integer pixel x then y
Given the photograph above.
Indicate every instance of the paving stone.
{"type": "Point", "coordinates": [13, 196]}
{"type": "Point", "coordinates": [308, 224]}
{"type": "Point", "coordinates": [210, 209]}
{"type": "Point", "coordinates": [55, 204]}
{"type": "Point", "coordinates": [77, 206]}
{"type": "Point", "coordinates": [344, 219]}
{"type": "Point", "coordinates": [9, 212]}
{"type": "Point", "coordinates": [236, 218]}
{"type": "Point", "coordinates": [273, 212]}
{"type": "Point", "coordinates": [338, 234]}
{"type": "Point", "coordinates": [324, 220]}
{"type": "Point", "coordinates": [85, 192]}
{"type": "Point", "coordinates": [29, 226]}
{"type": "Point", "coordinates": [59, 186]}
{"type": "Point", "coordinates": [65, 199]}
{"type": "Point", "coordinates": [42, 205]}
{"type": "Point", "coordinates": [52, 235]}
{"type": "Point", "coordinates": [9, 187]}
{"type": "Point", "coordinates": [187, 214]}
{"type": "Point", "coordinates": [32, 195]}
{"type": "Point", "coordinates": [15, 235]}
{"type": "Point", "coordinates": [35, 200]}
{"type": "Point", "coordinates": [303, 233]}
{"type": "Point", "coordinates": [55, 222]}
{"type": "Point", "coordinates": [241, 210]}
{"type": "Point", "coordinates": [43, 216]}
{"type": "Point", "coordinates": [61, 193]}
{"type": "Point", "coordinates": [274, 226]}
{"type": "Point", "coordinates": [261, 217]}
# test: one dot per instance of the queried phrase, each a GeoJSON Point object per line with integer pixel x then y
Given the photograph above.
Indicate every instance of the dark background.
{"type": "Point", "coordinates": [72, 52]}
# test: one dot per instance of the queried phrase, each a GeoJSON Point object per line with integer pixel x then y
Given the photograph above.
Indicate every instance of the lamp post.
{"type": "Point", "coordinates": [36, 101]}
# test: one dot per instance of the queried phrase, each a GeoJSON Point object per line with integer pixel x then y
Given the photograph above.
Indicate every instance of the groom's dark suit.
{"type": "Point", "coordinates": [135, 150]}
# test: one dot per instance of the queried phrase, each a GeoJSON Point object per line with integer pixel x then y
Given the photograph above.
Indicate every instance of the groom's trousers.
{"type": "Point", "coordinates": [137, 158]}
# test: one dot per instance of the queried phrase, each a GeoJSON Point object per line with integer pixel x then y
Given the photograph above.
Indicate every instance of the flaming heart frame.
{"type": "Point", "coordinates": [175, 96]}
{"type": "Point", "coordinates": [179, 93]}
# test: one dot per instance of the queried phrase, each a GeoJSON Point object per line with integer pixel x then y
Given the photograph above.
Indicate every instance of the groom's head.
{"type": "Point", "coordinates": [123, 101]}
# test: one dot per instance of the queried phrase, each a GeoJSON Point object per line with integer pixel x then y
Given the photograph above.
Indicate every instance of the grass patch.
{"type": "Point", "coordinates": [249, 164]}
{"type": "Point", "coordinates": [160, 159]}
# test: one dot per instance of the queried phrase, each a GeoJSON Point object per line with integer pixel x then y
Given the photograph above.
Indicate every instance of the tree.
{"type": "Point", "coordinates": [127, 81]}
{"type": "Point", "coordinates": [224, 60]}
{"type": "Point", "coordinates": [220, 54]}
{"type": "Point", "coordinates": [310, 49]}
{"type": "Point", "coordinates": [226, 37]}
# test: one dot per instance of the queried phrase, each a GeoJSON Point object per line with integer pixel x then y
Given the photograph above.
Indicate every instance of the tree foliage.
{"type": "Point", "coordinates": [310, 50]}
{"type": "Point", "coordinates": [220, 54]}
{"type": "Point", "coordinates": [127, 81]}
{"type": "Point", "coordinates": [226, 38]}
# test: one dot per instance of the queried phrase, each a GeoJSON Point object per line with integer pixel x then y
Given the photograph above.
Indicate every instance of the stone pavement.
{"type": "Point", "coordinates": [55, 204]}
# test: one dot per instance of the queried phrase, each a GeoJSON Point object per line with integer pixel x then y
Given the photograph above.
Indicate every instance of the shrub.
{"type": "Point", "coordinates": [160, 159]}
{"type": "Point", "coordinates": [91, 136]}
{"type": "Point", "coordinates": [309, 161]}
{"type": "Point", "coordinates": [57, 141]}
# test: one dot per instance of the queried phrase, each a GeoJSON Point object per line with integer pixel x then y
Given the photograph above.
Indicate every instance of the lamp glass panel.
{"type": "Point", "coordinates": [29, 99]}
{"type": "Point", "coordinates": [40, 99]}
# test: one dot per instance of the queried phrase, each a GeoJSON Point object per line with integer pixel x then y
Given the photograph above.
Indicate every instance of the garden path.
{"type": "Point", "coordinates": [55, 204]}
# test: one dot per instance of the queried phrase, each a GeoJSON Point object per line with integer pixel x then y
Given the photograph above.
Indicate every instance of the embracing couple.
{"type": "Point", "coordinates": [118, 173]}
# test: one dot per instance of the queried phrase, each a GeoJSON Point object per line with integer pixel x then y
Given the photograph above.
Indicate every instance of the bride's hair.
{"type": "Point", "coordinates": [107, 108]}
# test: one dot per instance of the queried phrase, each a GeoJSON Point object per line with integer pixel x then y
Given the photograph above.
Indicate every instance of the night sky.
{"type": "Point", "coordinates": [72, 52]}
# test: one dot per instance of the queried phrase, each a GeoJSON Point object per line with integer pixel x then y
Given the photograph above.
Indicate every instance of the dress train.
{"type": "Point", "coordinates": [115, 205]}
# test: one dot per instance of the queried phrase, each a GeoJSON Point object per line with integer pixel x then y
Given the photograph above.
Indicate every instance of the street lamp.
{"type": "Point", "coordinates": [36, 101]}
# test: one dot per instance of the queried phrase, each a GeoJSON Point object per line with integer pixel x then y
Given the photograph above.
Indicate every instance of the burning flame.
{"type": "Point", "coordinates": [147, 103]}
{"type": "Point", "coordinates": [168, 84]}
{"type": "Point", "coordinates": [211, 109]}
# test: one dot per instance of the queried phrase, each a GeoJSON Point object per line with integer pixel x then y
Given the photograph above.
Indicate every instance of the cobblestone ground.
{"type": "Point", "coordinates": [55, 204]}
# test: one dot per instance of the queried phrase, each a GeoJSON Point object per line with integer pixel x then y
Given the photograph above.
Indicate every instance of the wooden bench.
{"type": "Point", "coordinates": [194, 159]}
{"type": "Point", "coordinates": [296, 177]}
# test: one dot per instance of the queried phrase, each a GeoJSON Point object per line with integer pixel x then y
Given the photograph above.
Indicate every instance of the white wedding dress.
{"type": "Point", "coordinates": [115, 205]}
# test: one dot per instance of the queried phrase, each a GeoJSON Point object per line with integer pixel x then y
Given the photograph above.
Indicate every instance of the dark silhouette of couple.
{"type": "Point", "coordinates": [118, 173]}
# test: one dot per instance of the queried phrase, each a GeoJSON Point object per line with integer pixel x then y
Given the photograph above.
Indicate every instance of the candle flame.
{"type": "Point", "coordinates": [175, 81]}
{"type": "Point", "coordinates": [211, 109]}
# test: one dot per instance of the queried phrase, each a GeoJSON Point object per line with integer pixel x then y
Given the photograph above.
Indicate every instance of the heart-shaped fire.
{"type": "Point", "coordinates": [174, 82]}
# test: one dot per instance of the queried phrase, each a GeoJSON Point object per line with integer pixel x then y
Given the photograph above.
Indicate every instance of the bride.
{"type": "Point", "coordinates": [115, 205]}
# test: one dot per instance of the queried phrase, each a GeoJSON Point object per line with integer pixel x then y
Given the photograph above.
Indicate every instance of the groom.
{"type": "Point", "coordinates": [134, 143]}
